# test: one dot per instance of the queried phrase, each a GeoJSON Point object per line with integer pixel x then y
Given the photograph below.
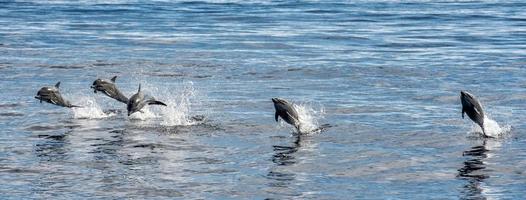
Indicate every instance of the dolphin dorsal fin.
{"type": "Point", "coordinates": [57, 85]}
{"type": "Point", "coordinates": [113, 79]}
{"type": "Point", "coordinates": [139, 88]}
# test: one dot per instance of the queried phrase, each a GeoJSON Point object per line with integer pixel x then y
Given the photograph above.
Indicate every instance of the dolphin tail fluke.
{"type": "Point", "coordinates": [57, 85]}
{"type": "Point", "coordinates": [155, 102]}
{"type": "Point", "coordinates": [113, 79]}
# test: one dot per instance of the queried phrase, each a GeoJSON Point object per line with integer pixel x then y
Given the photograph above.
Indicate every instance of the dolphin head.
{"type": "Point", "coordinates": [281, 104]}
{"type": "Point", "coordinates": [45, 93]}
{"type": "Point", "coordinates": [466, 98]}
{"type": "Point", "coordinates": [279, 101]}
{"type": "Point", "coordinates": [98, 85]}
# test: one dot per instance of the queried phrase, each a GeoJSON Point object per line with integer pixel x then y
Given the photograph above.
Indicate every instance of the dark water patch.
{"type": "Point", "coordinates": [6, 169]}
{"type": "Point", "coordinates": [113, 111]}
{"type": "Point", "coordinates": [148, 146]}
{"type": "Point", "coordinates": [281, 88]}
{"type": "Point", "coordinates": [11, 114]}
{"type": "Point", "coordinates": [294, 69]}
{"type": "Point", "coordinates": [147, 160]}
{"type": "Point", "coordinates": [202, 76]}
{"type": "Point", "coordinates": [119, 131]}
{"type": "Point", "coordinates": [200, 65]}
{"type": "Point", "coordinates": [417, 45]}
{"type": "Point", "coordinates": [91, 10]}
{"type": "Point", "coordinates": [10, 105]}
{"type": "Point", "coordinates": [423, 17]}
{"type": "Point", "coordinates": [53, 137]}
{"type": "Point", "coordinates": [204, 160]}
{"type": "Point", "coordinates": [516, 19]}
{"type": "Point", "coordinates": [343, 38]}
{"type": "Point", "coordinates": [323, 11]}
{"type": "Point", "coordinates": [211, 171]}
{"type": "Point", "coordinates": [51, 151]}
{"type": "Point", "coordinates": [244, 19]}
{"type": "Point", "coordinates": [103, 64]}
{"type": "Point", "coordinates": [44, 127]}
{"type": "Point", "coordinates": [280, 176]}
{"type": "Point", "coordinates": [198, 118]}
{"type": "Point", "coordinates": [62, 66]}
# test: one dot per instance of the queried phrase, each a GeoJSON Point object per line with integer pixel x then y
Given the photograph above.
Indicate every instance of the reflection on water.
{"type": "Point", "coordinates": [52, 148]}
{"type": "Point", "coordinates": [473, 171]}
{"type": "Point", "coordinates": [284, 156]}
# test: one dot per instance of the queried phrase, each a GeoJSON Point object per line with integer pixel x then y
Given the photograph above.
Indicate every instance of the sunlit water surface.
{"type": "Point", "coordinates": [382, 78]}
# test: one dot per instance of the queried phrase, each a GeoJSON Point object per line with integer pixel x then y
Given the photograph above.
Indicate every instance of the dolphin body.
{"type": "Point", "coordinates": [52, 95]}
{"type": "Point", "coordinates": [138, 101]}
{"type": "Point", "coordinates": [109, 88]}
{"type": "Point", "coordinates": [472, 107]}
{"type": "Point", "coordinates": [286, 111]}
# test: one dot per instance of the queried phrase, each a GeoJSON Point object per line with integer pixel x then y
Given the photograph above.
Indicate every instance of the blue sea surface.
{"type": "Point", "coordinates": [384, 75]}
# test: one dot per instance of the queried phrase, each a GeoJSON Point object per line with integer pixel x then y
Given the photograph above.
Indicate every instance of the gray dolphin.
{"type": "Point", "coordinates": [109, 88]}
{"type": "Point", "coordinates": [286, 111]}
{"type": "Point", "coordinates": [138, 101]}
{"type": "Point", "coordinates": [52, 95]}
{"type": "Point", "coordinates": [472, 107]}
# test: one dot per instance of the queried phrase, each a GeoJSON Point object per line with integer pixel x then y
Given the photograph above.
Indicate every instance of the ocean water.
{"type": "Point", "coordinates": [382, 78]}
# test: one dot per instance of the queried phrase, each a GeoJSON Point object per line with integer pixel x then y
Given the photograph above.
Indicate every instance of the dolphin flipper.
{"type": "Point", "coordinates": [463, 111]}
{"type": "Point", "coordinates": [276, 116]}
{"type": "Point", "coordinates": [155, 102]}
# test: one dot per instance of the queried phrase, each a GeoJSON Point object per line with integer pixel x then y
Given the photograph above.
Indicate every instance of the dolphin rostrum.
{"type": "Point", "coordinates": [472, 107]}
{"type": "Point", "coordinates": [138, 101]}
{"type": "Point", "coordinates": [286, 111]}
{"type": "Point", "coordinates": [109, 88]}
{"type": "Point", "coordinates": [51, 95]}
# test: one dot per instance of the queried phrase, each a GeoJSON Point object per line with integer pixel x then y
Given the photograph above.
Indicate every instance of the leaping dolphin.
{"type": "Point", "coordinates": [138, 101]}
{"type": "Point", "coordinates": [472, 107]}
{"type": "Point", "coordinates": [286, 111]}
{"type": "Point", "coordinates": [109, 88]}
{"type": "Point", "coordinates": [52, 95]}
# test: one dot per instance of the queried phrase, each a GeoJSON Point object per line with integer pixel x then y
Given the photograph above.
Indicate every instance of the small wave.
{"type": "Point", "coordinates": [491, 128]}
{"type": "Point", "coordinates": [90, 109]}
{"type": "Point", "coordinates": [10, 105]}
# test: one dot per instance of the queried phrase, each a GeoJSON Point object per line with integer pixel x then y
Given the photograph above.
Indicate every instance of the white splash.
{"type": "Point", "coordinates": [89, 109]}
{"type": "Point", "coordinates": [144, 114]}
{"type": "Point", "coordinates": [491, 128]}
{"type": "Point", "coordinates": [178, 109]}
{"type": "Point", "coordinates": [308, 117]}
